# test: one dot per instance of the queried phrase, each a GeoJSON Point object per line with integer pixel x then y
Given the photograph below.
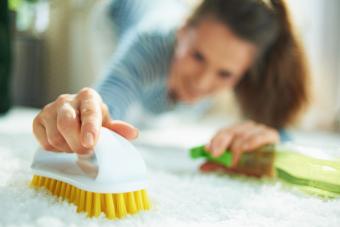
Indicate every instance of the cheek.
{"type": "Point", "coordinates": [187, 67]}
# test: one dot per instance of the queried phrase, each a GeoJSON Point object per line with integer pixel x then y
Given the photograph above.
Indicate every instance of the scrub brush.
{"type": "Point", "coordinates": [111, 180]}
{"type": "Point", "coordinates": [312, 175]}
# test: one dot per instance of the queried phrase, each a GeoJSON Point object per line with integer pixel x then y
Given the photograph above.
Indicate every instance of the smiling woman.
{"type": "Point", "coordinates": [209, 57]}
{"type": "Point", "coordinates": [244, 45]}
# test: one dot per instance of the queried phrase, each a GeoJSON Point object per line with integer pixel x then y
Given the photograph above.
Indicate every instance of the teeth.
{"type": "Point", "coordinates": [112, 205]}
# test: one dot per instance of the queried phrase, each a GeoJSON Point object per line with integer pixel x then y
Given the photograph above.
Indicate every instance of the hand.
{"type": "Point", "coordinates": [72, 123]}
{"type": "Point", "coordinates": [240, 138]}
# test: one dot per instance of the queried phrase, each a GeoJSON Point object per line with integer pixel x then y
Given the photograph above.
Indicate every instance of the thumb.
{"type": "Point", "coordinates": [122, 128]}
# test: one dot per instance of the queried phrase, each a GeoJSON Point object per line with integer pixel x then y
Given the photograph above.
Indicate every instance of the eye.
{"type": "Point", "coordinates": [198, 56]}
{"type": "Point", "coordinates": [224, 74]}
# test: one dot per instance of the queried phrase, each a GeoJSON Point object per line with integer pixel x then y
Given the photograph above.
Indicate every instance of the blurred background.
{"type": "Point", "coordinates": [61, 46]}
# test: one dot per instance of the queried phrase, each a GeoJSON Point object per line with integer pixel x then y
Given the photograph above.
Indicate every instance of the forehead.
{"type": "Point", "coordinates": [221, 46]}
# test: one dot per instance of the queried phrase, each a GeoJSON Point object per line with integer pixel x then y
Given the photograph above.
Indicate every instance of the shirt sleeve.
{"type": "Point", "coordinates": [130, 72]}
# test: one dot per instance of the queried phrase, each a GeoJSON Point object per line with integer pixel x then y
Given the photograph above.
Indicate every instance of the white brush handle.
{"type": "Point", "coordinates": [115, 166]}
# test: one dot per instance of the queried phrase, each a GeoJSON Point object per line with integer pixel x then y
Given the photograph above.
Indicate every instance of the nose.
{"type": "Point", "coordinates": [205, 80]}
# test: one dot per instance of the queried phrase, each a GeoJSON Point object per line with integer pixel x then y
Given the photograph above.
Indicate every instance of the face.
{"type": "Point", "coordinates": [208, 58]}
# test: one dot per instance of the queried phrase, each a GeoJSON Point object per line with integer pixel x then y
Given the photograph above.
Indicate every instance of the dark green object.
{"type": "Point", "coordinates": [5, 57]}
{"type": "Point", "coordinates": [199, 152]}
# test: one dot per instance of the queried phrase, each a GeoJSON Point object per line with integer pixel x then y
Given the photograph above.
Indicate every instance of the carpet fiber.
{"type": "Point", "coordinates": [180, 195]}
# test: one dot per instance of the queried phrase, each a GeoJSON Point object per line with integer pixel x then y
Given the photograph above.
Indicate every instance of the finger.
{"type": "Point", "coordinates": [241, 138]}
{"type": "Point", "coordinates": [229, 135]}
{"type": "Point", "coordinates": [68, 124]}
{"type": "Point", "coordinates": [236, 158]}
{"type": "Point", "coordinates": [91, 120]}
{"type": "Point", "coordinates": [40, 134]}
{"type": "Point", "coordinates": [220, 143]}
{"type": "Point", "coordinates": [237, 147]}
{"type": "Point", "coordinates": [54, 137]}
{"type": "Point", "coordinates": [261, 139]}
{"type": "Point", "coordinates": [122, 128]}
{"type": "Point", "coordinates": [216, 140]}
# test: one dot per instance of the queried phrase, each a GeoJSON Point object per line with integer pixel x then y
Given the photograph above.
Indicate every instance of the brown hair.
{"type": "Point", "coordinates": [274, 89]}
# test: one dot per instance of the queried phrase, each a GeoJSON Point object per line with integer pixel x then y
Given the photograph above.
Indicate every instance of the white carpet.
{"type": "Point", "coordinates": [181, 196]}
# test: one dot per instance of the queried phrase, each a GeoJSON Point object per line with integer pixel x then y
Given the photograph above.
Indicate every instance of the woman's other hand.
{"type": "Point", "coordinates": [72, 123]}
{"type": "Point", "coordinates": [240, 138]}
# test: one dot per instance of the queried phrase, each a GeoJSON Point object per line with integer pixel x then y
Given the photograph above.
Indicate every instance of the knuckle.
{"type": "Point", "coordinates": [48, 109]}
{"type": "Point", "coordinates": [87, 92]}
{"type": "Point", "coordinates": [65, 120]}
{"type": "Point", "coordinates": [62, 99]}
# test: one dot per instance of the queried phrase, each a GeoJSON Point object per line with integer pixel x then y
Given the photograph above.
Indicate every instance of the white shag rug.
{"type": "Point", "coordinates": [180, 195]}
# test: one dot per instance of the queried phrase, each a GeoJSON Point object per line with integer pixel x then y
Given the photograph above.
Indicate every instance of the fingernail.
{"type": "Point", "coordinates": [88, 139]}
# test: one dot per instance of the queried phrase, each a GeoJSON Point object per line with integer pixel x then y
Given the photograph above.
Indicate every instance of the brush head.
{"type": "Point", "coordinates": [114, 166]}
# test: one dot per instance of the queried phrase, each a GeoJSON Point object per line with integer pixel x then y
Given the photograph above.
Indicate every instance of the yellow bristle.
{"type": "Point", "coordinates": [35, 181]}
{"type": "Point", "coordinates": [102, 202]}
{"type": "Point", "coordinates": [120, 205]}
{"type": "Point", "coordinates": [73, 194]}
{"type": "Point", "coordinates": [38, 182]}
{"type": "Point", "coordinates": [42, 181]}
{"type": "Point", "coordinates": [81, 204]}
{"type": "Point", "coordinates": [62, 190]}
{"type": "Point", "coordinates": [109, 206]}
{"type": "Point", "coordinates": [47, 182]}
{"type": "Point", "coordinates": [96, 204]}
{"type": "Point", "coordinates": [68, 192]}
{"type": "Point", "coordinates": [131, 203]}
{"type": "Point", "coordinates": [88, 202]}
{"type": "Point", "coordinates": [77, 200]}
{"type": "Point", "coordinates": [139, 200]}
{"type": "Point", "coordinates": [112, 205]}
{"type": "Point", "coordinates": [57, 189]}
{"type": "Point", "coordinates": [52, 185]}
{"type": "Point", "coordinates": [146, 202]}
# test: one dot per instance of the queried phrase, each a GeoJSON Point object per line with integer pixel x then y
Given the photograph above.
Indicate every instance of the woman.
{"type": "Point", "coordinates": [244, 45]}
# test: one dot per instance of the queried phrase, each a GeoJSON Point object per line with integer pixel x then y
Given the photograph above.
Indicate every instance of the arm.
{"type": "Point", "coordinates": [130, 73]}
{"type": "Point", "coordinates": [72, 122]}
